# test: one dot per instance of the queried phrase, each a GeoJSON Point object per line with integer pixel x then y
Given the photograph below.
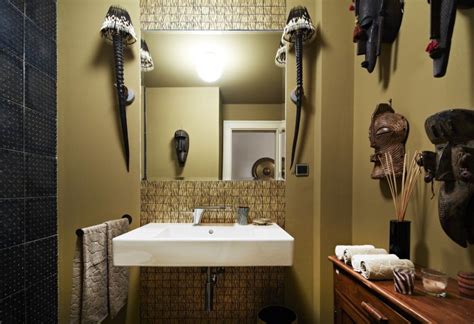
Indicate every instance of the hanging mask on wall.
{"type": "Point", "coordinates": [377, 22]}
{"type": "Point", "coordinates": [452, 133]}
{"type": "Point", "coordinates": [443, 16]}
{"type": "Point", "coordinates": [388, 133]}
{"type": "Point", "coordinates": [181, 139]}
{"type": "Point", "coordinates": [118, 30]}
{"type": "Point", "coordinates": [299, 29]}
{"type": "Point", "coordinates": [146, 61]}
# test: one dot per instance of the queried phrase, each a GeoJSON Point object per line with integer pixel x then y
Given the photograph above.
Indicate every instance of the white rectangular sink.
{"type": "Point", "coordinates": [207, 245]}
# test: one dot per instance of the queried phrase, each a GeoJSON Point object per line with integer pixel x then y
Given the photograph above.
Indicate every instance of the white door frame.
{"type": "Point", "coordinates": [278, 126]}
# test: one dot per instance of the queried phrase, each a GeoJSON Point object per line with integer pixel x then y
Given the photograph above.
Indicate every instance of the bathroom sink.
{"type": "Point", "coordinates": [173, 245]}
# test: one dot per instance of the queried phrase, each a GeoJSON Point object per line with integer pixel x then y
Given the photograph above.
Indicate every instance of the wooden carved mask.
{"type": "Point", "coordinates": [388, 133]}
{"type": "Point", "coordinates": [452, 133]}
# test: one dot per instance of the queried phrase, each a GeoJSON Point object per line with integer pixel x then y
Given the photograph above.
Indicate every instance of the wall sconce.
{"type": "Point", "coordinates": [146, 61]}
{"type": "Point", "coordinates": [118, 30]}
{"type": "Point", "coordinates": [298, 30]}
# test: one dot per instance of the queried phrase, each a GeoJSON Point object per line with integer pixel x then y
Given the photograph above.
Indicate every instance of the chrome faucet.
{"type": "Point", "coordinates": [197, 215]}
{"type": "Point", "coordinates": [197, 212]}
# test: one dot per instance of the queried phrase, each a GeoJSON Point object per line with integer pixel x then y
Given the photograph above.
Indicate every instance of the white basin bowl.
{"type": "Point", "coordinates": [185, 245]}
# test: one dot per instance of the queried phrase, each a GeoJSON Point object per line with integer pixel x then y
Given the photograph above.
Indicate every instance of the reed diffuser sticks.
{"type": "Point", "coordinates": [410, 175]}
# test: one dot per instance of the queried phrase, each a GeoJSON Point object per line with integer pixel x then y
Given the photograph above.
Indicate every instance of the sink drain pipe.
{"type": "Point", "coordinates": [211, 281]}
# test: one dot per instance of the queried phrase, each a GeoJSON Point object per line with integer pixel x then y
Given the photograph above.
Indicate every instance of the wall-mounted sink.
{"type": "Point", "coordinates": [172, 245]}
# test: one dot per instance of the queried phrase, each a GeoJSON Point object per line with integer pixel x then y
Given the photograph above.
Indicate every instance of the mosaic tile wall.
{"type": "Point", "coordinates": [28, 235]}
{"type": "Point", "coordinates": [213, 14]}
{"type": "Point", "coordinates": [176, 295]}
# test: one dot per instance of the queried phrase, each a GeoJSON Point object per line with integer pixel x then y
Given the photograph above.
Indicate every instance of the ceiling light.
{"type": "Point", "coordinates": [209, 66]}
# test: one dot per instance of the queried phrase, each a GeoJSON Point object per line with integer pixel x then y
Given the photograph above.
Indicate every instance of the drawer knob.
{"type": "Point", "coordinates": [374, 313]}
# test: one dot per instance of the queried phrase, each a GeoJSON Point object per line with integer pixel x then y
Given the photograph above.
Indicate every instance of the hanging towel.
{"type": "Point", "coordinates": [357, 259]}
{"type": "Point", "coordinates": [341, 248]}
{"type": "Point", "coordinates": [350, 252]}
{"type": "Point", "coordinates": [89, 282]}
{"type": "Point", "coordinates": [383, 269]}
{"type": "Point", "coordinates": [118, 276]}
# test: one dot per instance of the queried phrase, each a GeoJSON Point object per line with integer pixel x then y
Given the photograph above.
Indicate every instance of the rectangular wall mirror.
{"type": "Point", "coordinates": [225, 91]}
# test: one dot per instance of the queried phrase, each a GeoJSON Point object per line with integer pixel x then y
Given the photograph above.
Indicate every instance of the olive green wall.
{"type": "Point", "coordinates": [319, 206]}
{"type": "Point", "coordinates": [253, 111]}
{"type": "Point", "coordinates": [404, 73]}
{"type": "Point", "coordinates": [197, 111]}
{"type": "Point", "coordinates": [93, 183]}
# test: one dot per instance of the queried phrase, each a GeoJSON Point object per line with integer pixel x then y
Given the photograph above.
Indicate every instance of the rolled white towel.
{"type": "Point", "coordinates": [341, 248]}
{"type": "Point", "coordinates": [383, 269]}
{"type": "Point", "coordinates": [357, 259]}
{"type": "Point", "coordinates": [350, 252]}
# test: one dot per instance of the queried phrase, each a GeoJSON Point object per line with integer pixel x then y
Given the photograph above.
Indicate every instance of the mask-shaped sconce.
{"type": "Point", "coordinates": [388, 133]}
{"type": "Point", "coordinates": [452, 133]}
{"type": "Point", "coordinates": [118, 29]}
{"type": "Point", "coordinates": [181, 139]}
{"type": "Point", "coordinates": [443, 16]}
{"type": "Point", "coordinates": [377, 22]}
{"type": "Point", "coordinates": [299, 29]}
{"type": "Point", "coordinates": [146, 61]}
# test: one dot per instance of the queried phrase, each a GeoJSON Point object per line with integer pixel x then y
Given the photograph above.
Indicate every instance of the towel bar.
{"type": "Point", "coordinates": [80, 232]}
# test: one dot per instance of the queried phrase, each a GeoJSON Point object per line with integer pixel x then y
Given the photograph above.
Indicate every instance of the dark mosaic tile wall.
{"type": "Point", "coordinates": [213, 14]}
{"type": "Point", "coordinates": [176, 295]}
{"type": "Point", "coordinates": [28, 234]}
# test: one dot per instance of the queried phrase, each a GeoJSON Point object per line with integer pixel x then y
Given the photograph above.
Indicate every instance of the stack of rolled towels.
{"type": "Point", "coordinates": [371, 262]}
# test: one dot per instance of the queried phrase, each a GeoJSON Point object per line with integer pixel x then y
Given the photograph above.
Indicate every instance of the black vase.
{"type": "Point", "coordinates": [400, 239]}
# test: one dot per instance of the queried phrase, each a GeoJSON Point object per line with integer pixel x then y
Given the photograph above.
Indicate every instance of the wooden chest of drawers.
{"type": "Point", "coordinates": [357, 300]}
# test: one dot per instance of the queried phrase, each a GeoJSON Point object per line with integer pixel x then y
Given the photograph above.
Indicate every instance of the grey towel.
{"type": "Point", "coordinates": [118, 276]}
{"type": "Point", "coordinates": [351, 251]}
{"type": "Point", "coordinates": [357, 260]}
{"type": "Point", "coordinates": [89, 282]}
{"type": "Point", "coordinates": [383, 269]}
{"type": "Point", "coordinates": [340, 249]}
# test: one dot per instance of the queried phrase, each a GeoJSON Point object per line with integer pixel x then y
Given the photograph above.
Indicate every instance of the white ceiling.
{"type": "Point", "coordinates": [249, 75]}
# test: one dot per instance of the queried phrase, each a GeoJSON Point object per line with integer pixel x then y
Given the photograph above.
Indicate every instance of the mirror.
{"type": "Point", "coordinates": [225, 92]}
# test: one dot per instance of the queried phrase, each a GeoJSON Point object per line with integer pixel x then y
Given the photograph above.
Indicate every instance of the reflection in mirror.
{"type": "Point", "coordinates": [202, 82]}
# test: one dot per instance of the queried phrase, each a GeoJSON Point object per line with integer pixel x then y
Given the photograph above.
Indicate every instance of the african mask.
{"type": "Point", "coordinates": [443, 17]}
{"type": "Point", "coordinates": [377, 22]}
{"type": "Point", "coordinates": [452, 133]}
{"type": "Point", "coordinates": [388, 133]}
{"type": "Point", "coordinates": [181, 139]}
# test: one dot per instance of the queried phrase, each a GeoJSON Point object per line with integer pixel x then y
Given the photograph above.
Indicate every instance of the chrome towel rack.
{"type": "Point", "coordinates": [80, 232]}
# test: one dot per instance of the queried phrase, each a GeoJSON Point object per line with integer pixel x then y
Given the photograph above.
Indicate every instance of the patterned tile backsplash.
{"type": "Point", "coordinates": [212, 14]}
{"type": "Point", "coordinates": [174, 201]}
{"type": "Point", "coordinates": [176, 295]}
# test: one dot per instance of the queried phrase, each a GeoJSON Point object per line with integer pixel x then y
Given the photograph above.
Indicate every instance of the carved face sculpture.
{"type": "Point", "coordinates": [377, 22]}
{"type": "Point", "coordinates": [452, 133]}
{"type": "Point", "coordinates": [181, 139]}
{"type": "Point", "coordinates": [388, 133]}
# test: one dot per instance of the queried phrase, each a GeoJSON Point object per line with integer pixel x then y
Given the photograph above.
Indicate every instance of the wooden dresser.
{"type": "Point", "coordinates": [358, 300]}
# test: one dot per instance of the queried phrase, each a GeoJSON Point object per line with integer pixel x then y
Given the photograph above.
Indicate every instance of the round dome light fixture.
{"type": "Point", "coordinates": [209, 66]}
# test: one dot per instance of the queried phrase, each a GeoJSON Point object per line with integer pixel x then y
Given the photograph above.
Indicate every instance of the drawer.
{"type": "Point", "coordinates": [364, 301]}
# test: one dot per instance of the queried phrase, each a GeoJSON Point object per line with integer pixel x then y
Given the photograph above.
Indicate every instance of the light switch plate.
{"type": "Point", "coordinates": [302, 170]}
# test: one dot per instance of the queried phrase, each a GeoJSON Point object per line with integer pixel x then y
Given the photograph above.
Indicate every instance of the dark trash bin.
{"type": "Point", "coordinates": [276, 315]}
